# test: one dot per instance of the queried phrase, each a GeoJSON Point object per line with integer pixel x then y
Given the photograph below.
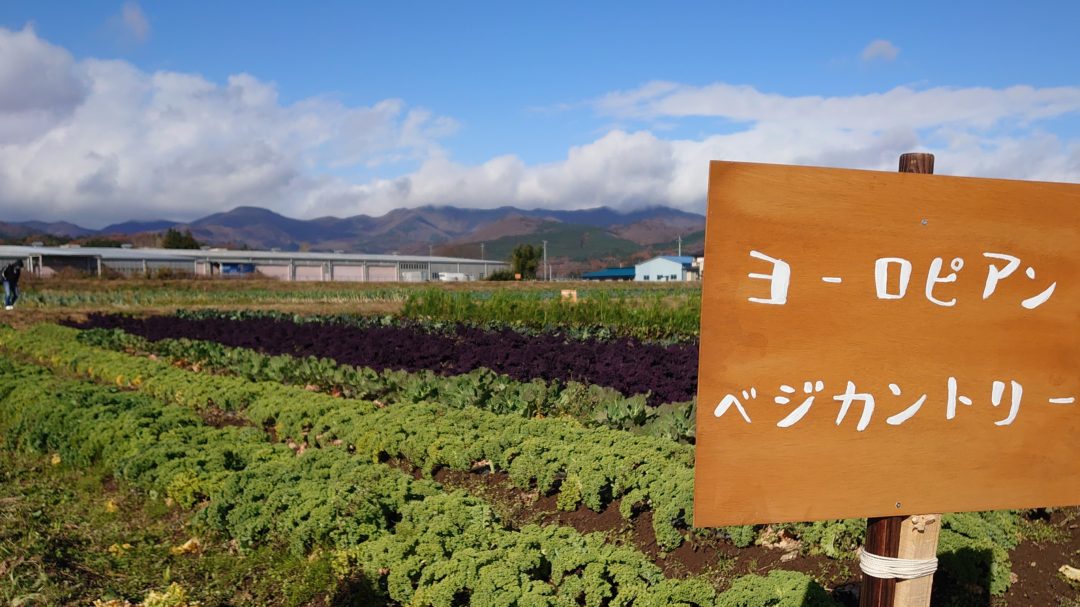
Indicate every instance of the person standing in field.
{"type": "Point", "coordinates": [11, 274]}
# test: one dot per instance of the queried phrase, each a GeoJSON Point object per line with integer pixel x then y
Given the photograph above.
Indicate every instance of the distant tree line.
{"type": "Point", "coordinates": [524, 261]}
{"type": "Point", "coordinates": [175, 239]}
{"type": "Point", "coordinates": [170, 239]}
{"type": "Point", "coordinates": [45, 239]}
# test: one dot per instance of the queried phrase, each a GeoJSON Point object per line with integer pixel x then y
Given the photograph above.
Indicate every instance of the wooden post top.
{"type": "Point", "coordinates": [917, 162]}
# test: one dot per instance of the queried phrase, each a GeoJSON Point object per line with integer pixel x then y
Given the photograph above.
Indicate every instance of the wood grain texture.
{"type": "Point", "coordinates": [918, 540]}
{"type": "Point", "coordinates": [917, 162]}
{"type": "Point", "coordinates": [883, 538]}
{"type": "Point", "coordinates": [837, 223]}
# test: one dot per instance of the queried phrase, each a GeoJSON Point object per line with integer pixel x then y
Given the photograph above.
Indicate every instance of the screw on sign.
{"type": "Point", "coordinates": [856, 322]}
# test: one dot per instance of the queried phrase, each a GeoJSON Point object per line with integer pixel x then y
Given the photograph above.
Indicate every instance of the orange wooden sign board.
{"type": "Point", "coordinates": [879, 344]}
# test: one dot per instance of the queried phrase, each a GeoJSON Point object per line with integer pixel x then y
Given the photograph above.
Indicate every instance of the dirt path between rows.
{"type": "Point", "coordinates": [1036, 580]}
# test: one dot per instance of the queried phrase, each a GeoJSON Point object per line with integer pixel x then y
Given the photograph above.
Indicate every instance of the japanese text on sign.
{"type": "Point", "coordinates": [780, 283]}
{"type": "Point", "coordinates": [879, 344]}
{"type": "Point", "coordinates": [780, 279]}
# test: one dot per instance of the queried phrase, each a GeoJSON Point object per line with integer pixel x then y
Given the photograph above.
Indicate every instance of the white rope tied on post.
{"type": "Point", "coordinates": [884, 567]}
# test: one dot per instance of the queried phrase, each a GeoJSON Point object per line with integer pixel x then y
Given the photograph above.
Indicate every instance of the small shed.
{"type": "Point", "coordinates": [610, 274]}
{"type": "Point", "coordinates": [667, 268]}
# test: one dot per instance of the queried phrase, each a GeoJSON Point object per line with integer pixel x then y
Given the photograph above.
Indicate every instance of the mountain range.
{"type": "Point", "coordinates": [589, 234]}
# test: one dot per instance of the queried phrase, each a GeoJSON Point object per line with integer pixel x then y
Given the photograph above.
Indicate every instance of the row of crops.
{"type": "Point", "coordinates": [137, 294]}
{"type": "Point", "coordinates": [590, 404]}
{"type": "Point", "coordinates": [420, 543]}
{"type": "Point", "coordinates": [339, 433]}
{"type": "Point", "coordinates": [669, 314]}
{"type": "Point", "coordinates": [665, 374]}
{"type": "Point", "coordinates": [658, 313]}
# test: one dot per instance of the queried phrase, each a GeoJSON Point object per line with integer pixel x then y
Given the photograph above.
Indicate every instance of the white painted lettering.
{"type": "Point", "coordinates": [780, 279]}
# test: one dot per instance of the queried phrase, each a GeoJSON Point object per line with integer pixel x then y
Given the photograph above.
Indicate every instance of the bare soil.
{"type": "Point", "coordinates": [705, 554]}
{"type": "Point", "coordinates": [219, 418]}
{"type": "Point", "coordinates": [1035, 565]}
{"type": "Point", "coordinates": [1036, 582]}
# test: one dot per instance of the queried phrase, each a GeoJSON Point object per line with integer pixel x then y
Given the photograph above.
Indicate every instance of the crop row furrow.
{"type": "Point", "coordinates": [649, 314]}
{"type": "Point", "coordinates": [125, 295]}
{"type": "Point", "coordinates": [590, 466]}
{"type": "Point", "coordinates": [481, 388]}
{"type": "Point", "coordinates": [664, 374]}
{"type": "Point", "coordinates": [421, 546]}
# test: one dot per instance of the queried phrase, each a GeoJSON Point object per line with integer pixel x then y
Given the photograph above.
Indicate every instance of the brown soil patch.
{"type": "Point", "coordinates": [707, 554]}
{"type": "Point", "coordinates": [1035, 565]}
{"type": "Point", "coordinates": [219, 418]}
{"type": "Point", "coordinates": [714, 557]}
{"type": "Point", "coordinates": [109, 484]}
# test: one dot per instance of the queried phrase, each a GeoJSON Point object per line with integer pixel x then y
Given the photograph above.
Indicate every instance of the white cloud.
{"type": "Point", "coordinates": [96, 141]}
{"type": "Point", "coordinates": [901, 107]}
{"type": "Point", "coordinates": [40, 86]}
{"type": "Point", "coordinates": [99, 141]}
{"type": "Point", "coordinates": [974, 131]}
{"type": "Point", "coordinates": [134, 22]}
{"type": "Point", "coordinates": [880, 50]}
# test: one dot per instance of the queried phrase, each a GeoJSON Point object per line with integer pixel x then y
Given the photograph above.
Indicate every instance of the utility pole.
{"type": "Point", "coordinates": [430, 248]}
{"type": "Point", "coordinates": [680, 245]}
{"type": "Point", "coordinates": [482, 258]}
{"type": "Point", "coordinates": [547, 275]}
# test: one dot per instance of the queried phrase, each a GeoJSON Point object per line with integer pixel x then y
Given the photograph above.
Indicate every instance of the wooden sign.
{"type": "Point", "coordinates": [880, 344]}
{"type": "Point", "coordinates": [569, 295]}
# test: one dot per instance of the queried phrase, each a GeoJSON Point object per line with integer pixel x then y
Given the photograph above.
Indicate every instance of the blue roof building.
{"type": "Point", "coordinates": [610, 274]}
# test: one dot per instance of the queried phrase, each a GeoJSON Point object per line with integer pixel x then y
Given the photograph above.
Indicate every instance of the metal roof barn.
{"type": "Point", "coordinates": [285, 265]}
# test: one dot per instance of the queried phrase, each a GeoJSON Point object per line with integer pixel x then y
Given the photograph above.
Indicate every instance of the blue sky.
{"type": "Point", "coordinates": [176, 109]}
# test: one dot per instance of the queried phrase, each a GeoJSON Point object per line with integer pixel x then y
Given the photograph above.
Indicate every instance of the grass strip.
{"type": "Point", "coordinates": [72, 535]}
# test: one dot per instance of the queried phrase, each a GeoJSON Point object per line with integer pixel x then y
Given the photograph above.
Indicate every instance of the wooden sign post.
{"type": "Point", "coordinates": [881, 345]}
{"type": "Point", "coordinates": [906, 537]}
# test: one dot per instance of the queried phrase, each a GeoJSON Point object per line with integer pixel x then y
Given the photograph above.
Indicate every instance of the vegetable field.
{"type": "Point", "coordinates": [488, 448]}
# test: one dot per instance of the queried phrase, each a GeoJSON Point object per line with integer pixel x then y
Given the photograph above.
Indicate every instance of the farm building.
{"type": "Point", "coordinates": [47, 261]}
{"type": "Point", "coordinates": [667, 268]}
{"type": "Point", "coordinates": [610, 274]}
